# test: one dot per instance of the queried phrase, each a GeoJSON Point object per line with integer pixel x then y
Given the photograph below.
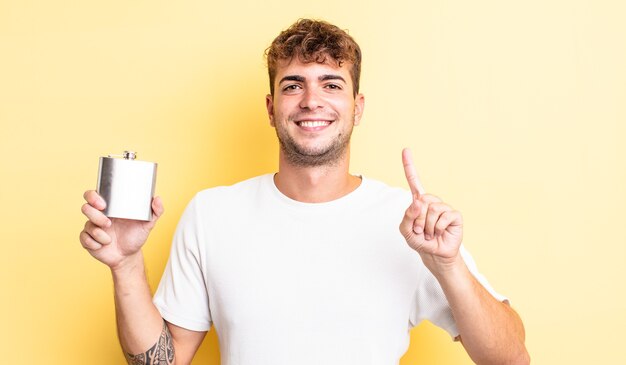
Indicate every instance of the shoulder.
{"type": "Point", "coordinates": [381, 199]}
{"type": "Point", "coordinates": [223, 199]}
{"type": "Point", "coordinates": [237, 190]}
{"type": "Point", "coordinates": [381, 191]}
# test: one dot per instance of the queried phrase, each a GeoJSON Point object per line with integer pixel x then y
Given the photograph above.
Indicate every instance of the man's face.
{"type": "Point", "coordinates": [313, 110]}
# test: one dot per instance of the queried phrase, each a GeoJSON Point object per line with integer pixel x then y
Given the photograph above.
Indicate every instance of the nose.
{"type": "Point", "coordinates": [310, 99]}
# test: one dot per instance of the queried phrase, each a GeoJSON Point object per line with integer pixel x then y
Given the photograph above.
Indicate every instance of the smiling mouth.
{"type": "Point", "coordinates": [313, 123]}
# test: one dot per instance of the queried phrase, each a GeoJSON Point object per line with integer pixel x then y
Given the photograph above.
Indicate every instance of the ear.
{"type": "Point", "coordinates": [359, 105]}
{"type": "Point", "coordinates": [269, 104]}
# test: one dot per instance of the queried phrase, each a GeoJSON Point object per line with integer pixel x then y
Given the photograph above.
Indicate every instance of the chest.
{"type": "Point", "coordinates": [292, 274]}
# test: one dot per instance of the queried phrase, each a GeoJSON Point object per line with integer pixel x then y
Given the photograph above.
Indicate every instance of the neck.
{"type": "Point", "coordinates": [316, 184]}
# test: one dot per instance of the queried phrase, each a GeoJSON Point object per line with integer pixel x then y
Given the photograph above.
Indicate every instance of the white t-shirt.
{"type": "Point", "coordinates": [286, 282]}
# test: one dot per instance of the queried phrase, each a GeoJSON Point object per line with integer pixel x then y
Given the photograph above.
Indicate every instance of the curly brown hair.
{"type": "Point", "coordinates": [314, 41]}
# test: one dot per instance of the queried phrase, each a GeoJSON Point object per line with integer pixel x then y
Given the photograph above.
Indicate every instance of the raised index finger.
{"type": "Point", "coordinates": [411, 175]}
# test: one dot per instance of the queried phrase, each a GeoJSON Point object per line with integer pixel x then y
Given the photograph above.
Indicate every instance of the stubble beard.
{"type": "Point", "coordinates": [302, 156]}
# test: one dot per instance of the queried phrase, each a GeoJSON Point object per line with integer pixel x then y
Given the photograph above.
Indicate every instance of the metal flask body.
{"type": "Point", "coordinates": [127, 186]}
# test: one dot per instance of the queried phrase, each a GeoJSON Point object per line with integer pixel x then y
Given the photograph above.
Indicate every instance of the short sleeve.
{"type": "Point", "coordinates": [430, 303]}
{"type": "Point", "coordinates": [182, 297]}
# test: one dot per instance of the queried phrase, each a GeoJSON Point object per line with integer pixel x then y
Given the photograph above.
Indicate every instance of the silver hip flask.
{"type": "Point", "coordinates": [127, 186]}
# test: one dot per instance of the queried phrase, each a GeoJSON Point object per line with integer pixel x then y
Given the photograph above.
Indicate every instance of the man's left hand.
{"type": "Point", "coordinates": [430, 226]}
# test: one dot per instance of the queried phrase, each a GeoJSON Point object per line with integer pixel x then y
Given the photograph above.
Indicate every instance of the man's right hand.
{"type": "Point", "coordinates": [114, 240]}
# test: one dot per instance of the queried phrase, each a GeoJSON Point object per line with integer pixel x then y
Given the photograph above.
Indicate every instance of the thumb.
{"type": "Point", "coordinates": [411, 215]}
{"type": "Point", "coordinates": [157, 207]}
{"type": "Point", "coordinates": [157, 212]}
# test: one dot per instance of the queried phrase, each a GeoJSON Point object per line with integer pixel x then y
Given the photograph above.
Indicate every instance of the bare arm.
{"type": "Point", "coordinates": [144, 336]}
{"type": "Point", "coordinates": [491, 331]}
{"type": "Point", "coordinates": [141, 327]}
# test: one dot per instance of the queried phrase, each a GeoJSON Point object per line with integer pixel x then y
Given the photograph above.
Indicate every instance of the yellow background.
{"type": "Point", "coordinates": [514, 110]}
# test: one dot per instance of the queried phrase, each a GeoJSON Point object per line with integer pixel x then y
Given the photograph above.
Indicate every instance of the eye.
{"type": "Point", "coordinates": [333, 86]}
{"type": "Point", "coordinates": [291, 88]}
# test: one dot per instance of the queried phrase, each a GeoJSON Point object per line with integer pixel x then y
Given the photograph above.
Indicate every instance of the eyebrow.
{"type": "Point", "coordinates": [331, 77]}
{"type": "Point", "coordinates": [302, 79]}
{"type": "Point", "coordinates": [292, 78]}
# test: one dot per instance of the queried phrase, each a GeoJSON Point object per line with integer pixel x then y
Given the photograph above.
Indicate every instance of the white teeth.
{"type": "Point", "coordinates": [312, 124]}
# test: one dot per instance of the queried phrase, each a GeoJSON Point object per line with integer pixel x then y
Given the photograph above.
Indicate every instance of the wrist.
{"type": "Point", "coordinates": [445, 267]}
{"type": "Point", "coordinates": [128, 266]}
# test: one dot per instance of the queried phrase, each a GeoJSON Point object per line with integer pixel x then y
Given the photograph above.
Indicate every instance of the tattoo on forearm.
{"type": "Point", "coordinates": [162, 353]}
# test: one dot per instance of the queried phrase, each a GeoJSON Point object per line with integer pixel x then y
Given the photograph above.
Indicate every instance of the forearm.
{"type": "Point", "coordinates": [491, 331]}
{"type": "Point", "coordinates": [141, 328]}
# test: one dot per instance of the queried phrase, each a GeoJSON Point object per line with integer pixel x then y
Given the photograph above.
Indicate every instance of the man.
{"type": "Point", "coordinates": [305, 266]}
